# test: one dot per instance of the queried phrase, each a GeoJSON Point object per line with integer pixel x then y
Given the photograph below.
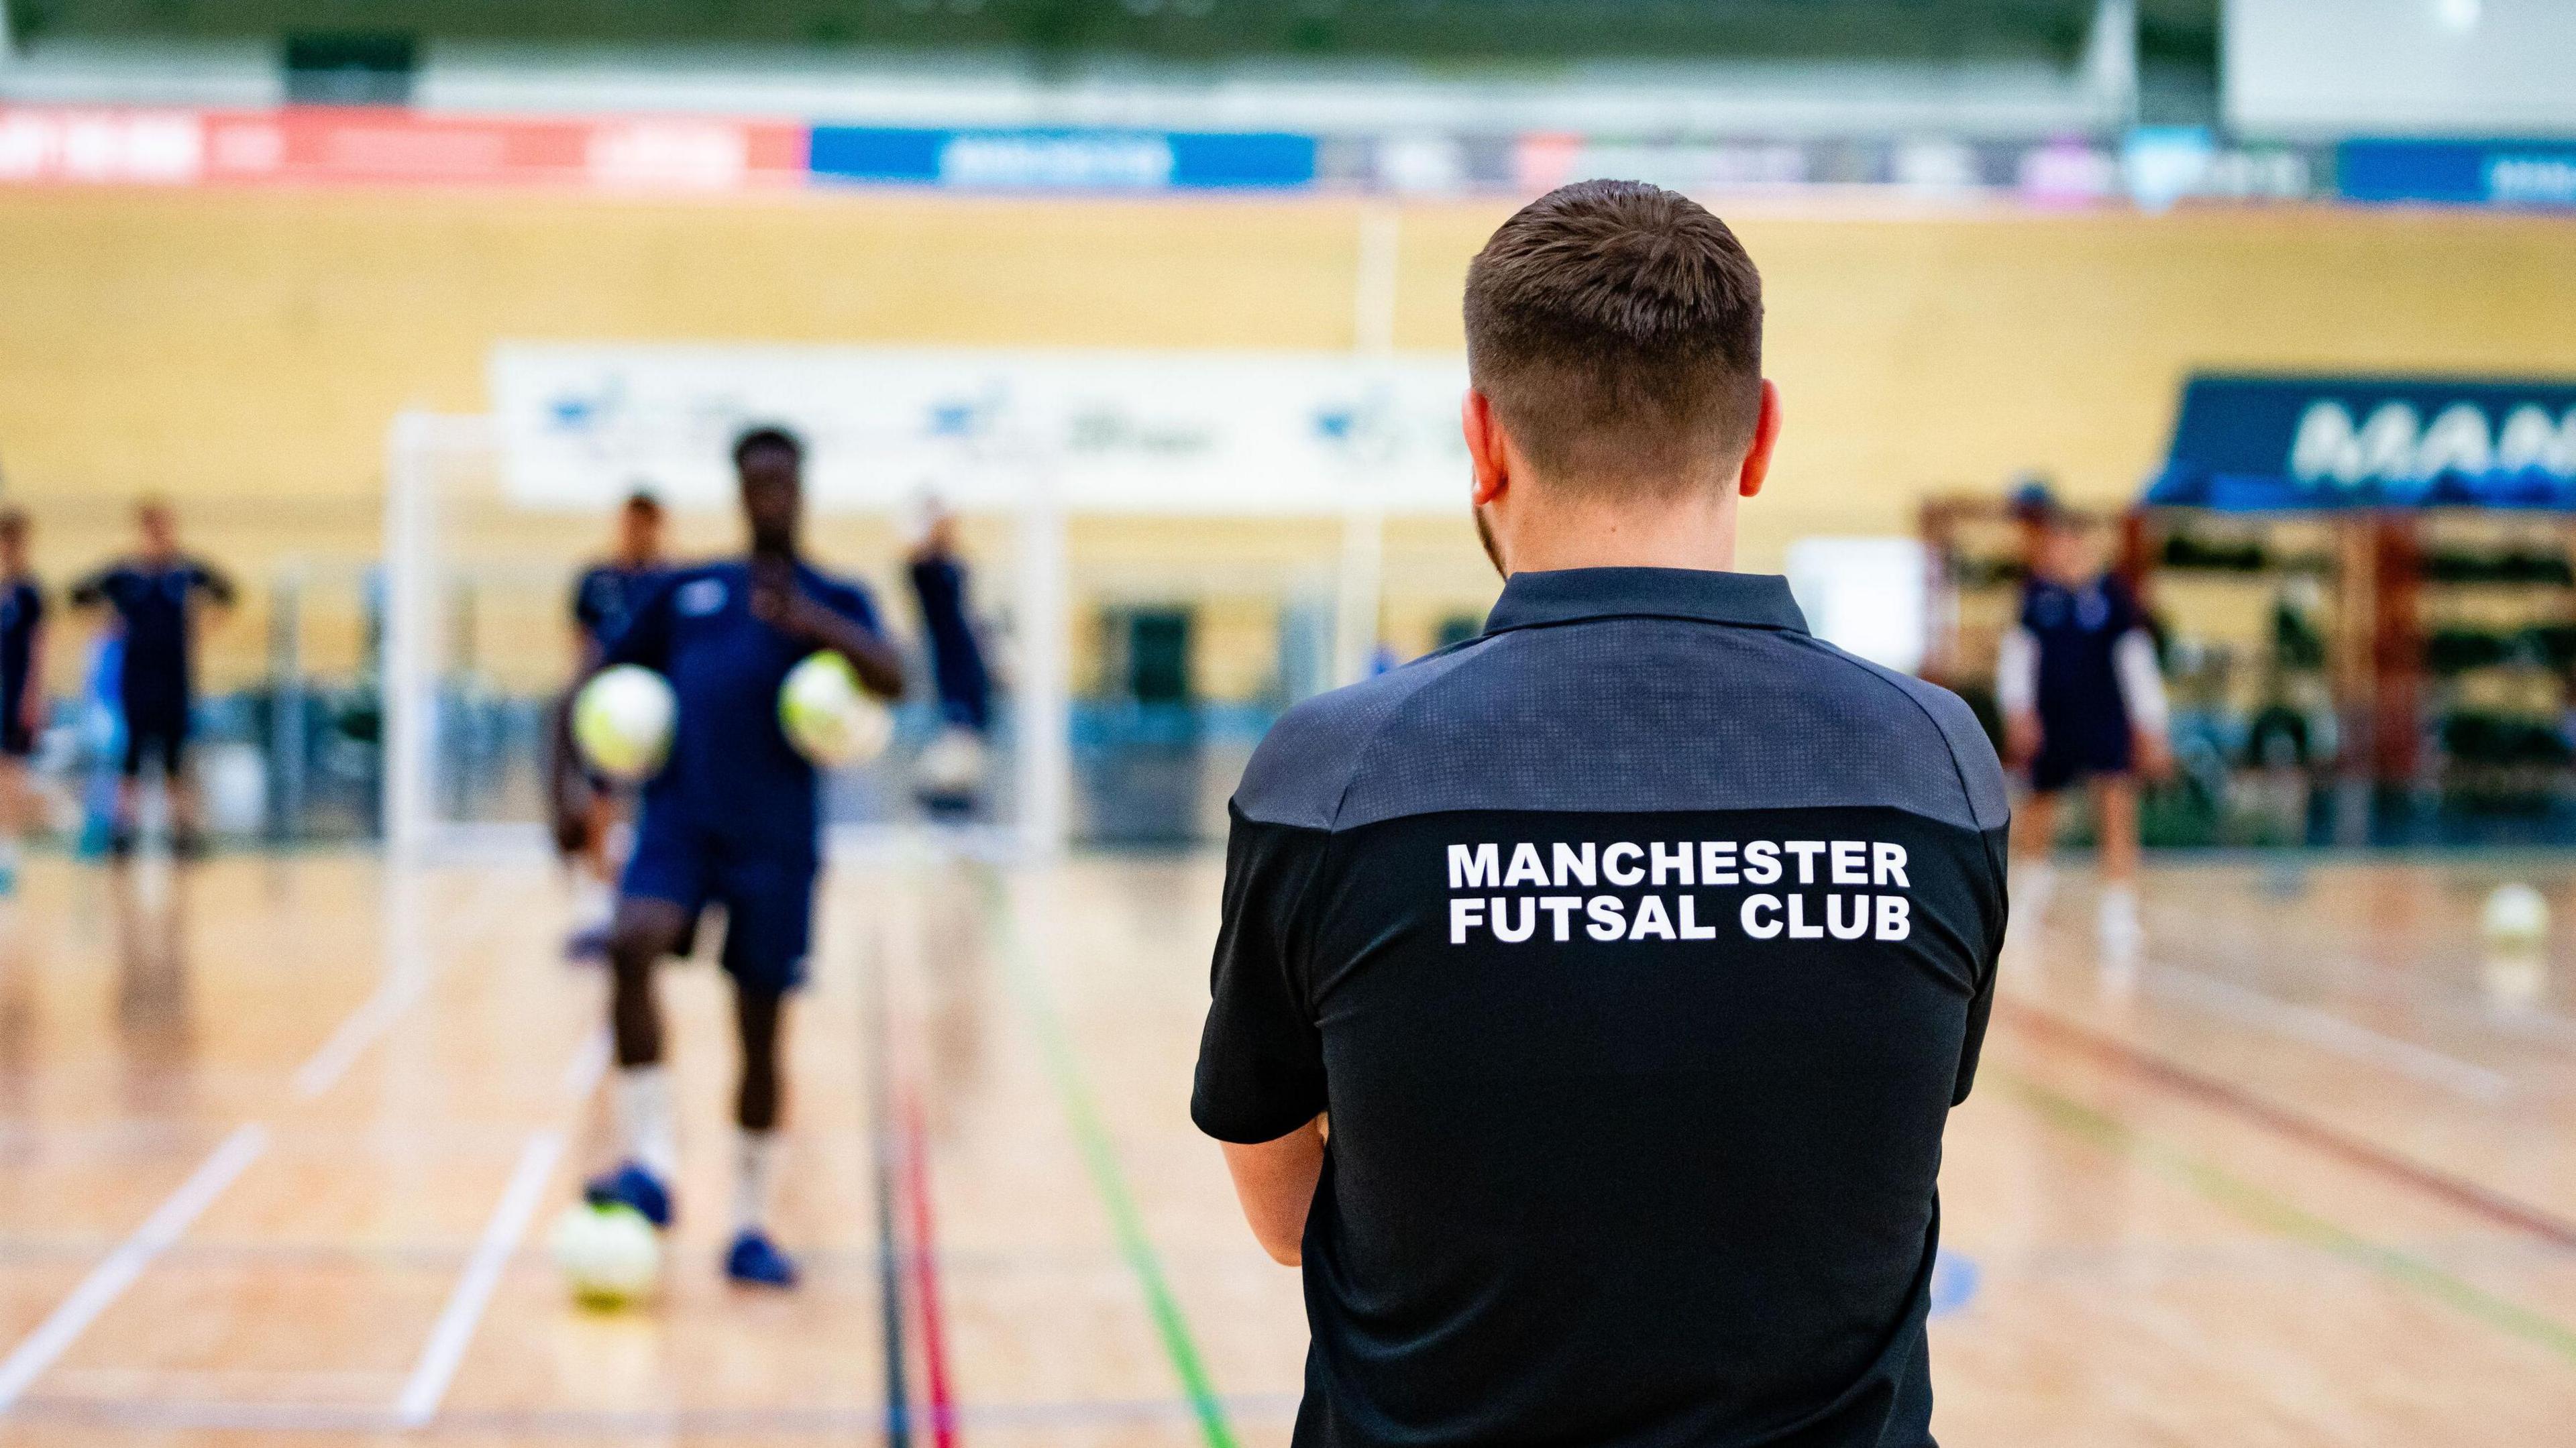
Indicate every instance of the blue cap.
{"type": "Point", "coordinates": [2033, 500]}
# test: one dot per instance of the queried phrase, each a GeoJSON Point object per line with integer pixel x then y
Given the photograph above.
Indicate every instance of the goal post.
{"type": "Point", "coordinates": [478, 643]}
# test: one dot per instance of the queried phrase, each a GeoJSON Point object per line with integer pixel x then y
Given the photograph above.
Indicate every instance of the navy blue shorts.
{"type": "Point", "coordinates": [2068, 757]}
{"type": "Point", "coordinates": [17, 741]}
{"type": "Point", "coordinates": [767, 893]}
{"type": "Point", "coordinates": [156, 730]}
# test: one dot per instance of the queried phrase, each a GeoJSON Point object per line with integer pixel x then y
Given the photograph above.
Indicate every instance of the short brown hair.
{"type": "Point", "coordinates": [1617, 329]}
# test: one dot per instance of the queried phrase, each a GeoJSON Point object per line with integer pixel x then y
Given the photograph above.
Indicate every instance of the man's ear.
{"type": "Point", "coordinates": [1766, 434]}
{"type": "Point", "coordinates": [1486, 450]}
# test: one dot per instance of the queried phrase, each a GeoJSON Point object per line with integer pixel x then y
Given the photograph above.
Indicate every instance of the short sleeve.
{"type": "Point", "coordinates": [852, 602]}
{"type": "Point", "coordinates": [586, 612]}
{"type": "Point", "coordinates": [1261, 1059]}
{"type": "Point", "coordinates": [212, 581]}
{"type": "Point", "coordinates": [2126, 615]}
{"type": "Point", "coordinates": [646, 638]}
{"type": "Point", "coordinates": [1994, 910]}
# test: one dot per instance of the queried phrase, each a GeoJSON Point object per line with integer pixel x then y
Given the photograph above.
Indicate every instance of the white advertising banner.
{"type": "Point", "coordinates": [1262, 433]}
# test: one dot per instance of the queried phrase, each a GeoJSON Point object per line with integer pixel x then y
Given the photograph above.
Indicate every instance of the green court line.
{"type": "Point", "coordinates": [2283, 1218]}
{"type": "Point", "coordinates": [1101, 1157]}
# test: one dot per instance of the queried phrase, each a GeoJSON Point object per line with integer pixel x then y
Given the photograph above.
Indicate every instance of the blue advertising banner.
{"type": "Point", "coordinates": [1064, 159]}
{"type": "Point", "coordinates": [2272, 443]}
{"type": "Point", "coordinates": [2458, 173]}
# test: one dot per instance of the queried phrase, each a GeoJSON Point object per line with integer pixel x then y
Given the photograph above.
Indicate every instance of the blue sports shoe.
{"type": "Point", "coordinates": [631, 1185]}
{"type": "Point", "coordinates": [756, 1261]}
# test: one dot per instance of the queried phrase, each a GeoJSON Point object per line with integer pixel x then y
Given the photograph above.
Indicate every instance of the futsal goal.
{"type": "Point", "coordinates": [482, 548]}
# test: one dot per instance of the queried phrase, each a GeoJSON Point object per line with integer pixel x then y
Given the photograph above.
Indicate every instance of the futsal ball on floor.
{"type": "Point", "coordinates": [2515, 918]}
{"type": "Point", "coordinates": [622, 721]}
{"type": "Point", "coordinates": [609, 1253]}
{"type": "Point", "coordinates": [828, 717]}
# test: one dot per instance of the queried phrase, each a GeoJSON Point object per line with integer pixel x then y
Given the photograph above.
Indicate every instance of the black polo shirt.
{"type": "Point", "coordinates": [1638, 948]}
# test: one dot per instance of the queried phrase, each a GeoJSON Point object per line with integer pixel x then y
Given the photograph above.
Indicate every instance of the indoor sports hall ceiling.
{"type": "Point", "coordinates": [1534, 30]}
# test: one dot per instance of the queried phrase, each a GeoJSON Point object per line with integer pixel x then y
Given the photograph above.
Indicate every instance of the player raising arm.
{"type": "Point", "coordinates": [733, 819]}
{"type": "Point", "coordinates": [155, 594]}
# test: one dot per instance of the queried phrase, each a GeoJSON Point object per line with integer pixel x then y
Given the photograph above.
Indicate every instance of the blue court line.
{"type": "Point", "coordinates": [1955, 1280]}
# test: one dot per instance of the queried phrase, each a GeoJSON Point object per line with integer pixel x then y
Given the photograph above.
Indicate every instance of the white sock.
{"type": "Point", "coordinates": [2119, 907]}
{"type": "Point", "coordinates": [645, 1120]}
{"type": "Point", "coordinates": [755, 1173]}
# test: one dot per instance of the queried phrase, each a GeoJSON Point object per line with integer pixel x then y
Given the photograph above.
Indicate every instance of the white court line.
{"type": "Point", "coordinates": [409, 970]}
{"type": "Point", "coordinates": [464, 1312]}
{"type": "Point", "coordinates": [2327, 1030]}
{"type": "Point", "coordinates": [581, 1074]}
{"type": "Point", "coordinates": [109, 1279]}
{"type": "Point", "coordinates": [371, 1019]}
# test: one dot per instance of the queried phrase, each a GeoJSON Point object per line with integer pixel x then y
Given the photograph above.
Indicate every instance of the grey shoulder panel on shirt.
{"type": "Point", "coordinates": [1303, 768]}
{"type": "Point", "coordinates": [1981, 774]}
{"type": "Point", "coordinates": [1628, 715]}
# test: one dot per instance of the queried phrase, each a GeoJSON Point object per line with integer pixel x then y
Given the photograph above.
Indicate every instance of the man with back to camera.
{"type": "Point", "coordinates": [1637, 948]}
{"type": "Point", "coordinates": [733, 819]}
{"type": "Point", "coordinates": [154, 592]}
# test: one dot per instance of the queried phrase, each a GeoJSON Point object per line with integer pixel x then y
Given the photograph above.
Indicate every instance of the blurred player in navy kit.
{"type": "Point", "coordinates": [2084, 704]}
{"type": "Point", "coordinates": [604, 600]}
{"type": "Point", "coordinates": [22, 689]}
{"type": "Point", "coordinates": [156, 595]}
{"type": "Point", "coordinates": [1638, 946]}
{"type": "Point", "coordinates": [951, 767]}
{"type": "Point", "coordinates": [733, 819]}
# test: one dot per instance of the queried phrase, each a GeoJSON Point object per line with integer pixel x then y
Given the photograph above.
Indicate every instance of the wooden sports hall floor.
{"type": "Point", "coordinates": [279, 1140]}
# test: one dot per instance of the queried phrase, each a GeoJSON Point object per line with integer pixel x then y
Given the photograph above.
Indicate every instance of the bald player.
{"type": "Point", "coordinates": [1590, 996]}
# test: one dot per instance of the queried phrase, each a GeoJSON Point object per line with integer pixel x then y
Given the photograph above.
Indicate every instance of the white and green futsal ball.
{"type": "Point", "coordinates": [828, 717]}
{"type": "Point", "coordinates": [622, 721]}
{"type": "Point", "coordinates": [610, 1255]}
{"type": "Point", "coordinates": [2515, 920]}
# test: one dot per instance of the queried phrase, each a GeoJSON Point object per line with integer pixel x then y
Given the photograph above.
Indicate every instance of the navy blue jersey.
{"type": "Point", "coordinates": [2077, 630]}
{"type": "Point", "coordinates": [956, 659]}
{"type": "Point", "coordinates": [732, 771]}
{"type": "Point", "coordinates": [22, 612]}
{"type": "Point", "coordinates": [606, 596]}
{"type": "Point", "coordinates": [157, 604]}
{"type": "Point", "coordinates": [1638, 948]}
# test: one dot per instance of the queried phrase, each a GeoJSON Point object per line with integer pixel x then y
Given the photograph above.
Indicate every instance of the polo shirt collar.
{"type": "Point", "coordinates": [1752, 600]}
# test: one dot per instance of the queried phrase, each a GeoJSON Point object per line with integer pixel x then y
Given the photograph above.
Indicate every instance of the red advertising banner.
{"type": "Point", "coordinates": [313, 145]}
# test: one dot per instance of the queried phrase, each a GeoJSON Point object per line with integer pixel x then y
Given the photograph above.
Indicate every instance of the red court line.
{"type": "Point", "coordinates": [925, 1273]}
{"type": "Point", "coordinates": [2183, 1081]}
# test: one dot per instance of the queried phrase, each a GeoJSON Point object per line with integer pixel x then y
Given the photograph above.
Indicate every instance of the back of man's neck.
{"type": "Point", "coordinates": [1698, 535]}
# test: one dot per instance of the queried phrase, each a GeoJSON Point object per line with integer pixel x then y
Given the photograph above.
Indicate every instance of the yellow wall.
{"type": "Point", "coordinates": [242, 351]}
